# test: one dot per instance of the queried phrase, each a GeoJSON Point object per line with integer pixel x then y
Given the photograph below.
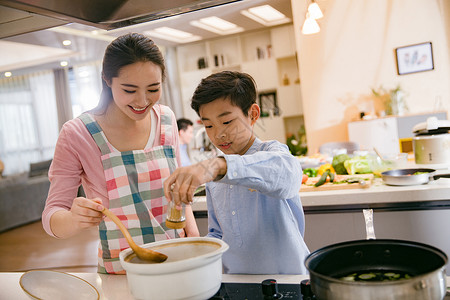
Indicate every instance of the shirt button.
{"type": "Point", "coordinates": [233, 212]}
{"type": "Point", "coordinates": [231, 186]}
{"type": "Point", "coordinates": [234, 174]}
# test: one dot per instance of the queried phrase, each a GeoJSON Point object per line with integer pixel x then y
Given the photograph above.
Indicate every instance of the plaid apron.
{"type": "Point", "coordinates": [134, 181]}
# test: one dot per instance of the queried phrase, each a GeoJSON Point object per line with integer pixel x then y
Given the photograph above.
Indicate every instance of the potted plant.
{"type": "Point", "coordinates": [393, 100]}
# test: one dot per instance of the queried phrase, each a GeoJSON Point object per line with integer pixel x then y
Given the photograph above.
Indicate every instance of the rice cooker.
{"type": "Point", "coordinates": [431, 143]}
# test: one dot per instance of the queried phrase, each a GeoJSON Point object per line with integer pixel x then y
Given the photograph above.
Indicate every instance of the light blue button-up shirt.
{"type": "Point", "coordinates": [185, 160]}
{"type": "Point", "coordinates": [256, 209]}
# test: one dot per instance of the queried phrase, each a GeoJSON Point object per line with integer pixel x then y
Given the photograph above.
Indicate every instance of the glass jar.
{"type": "Point", "coordinates": [175, 217]}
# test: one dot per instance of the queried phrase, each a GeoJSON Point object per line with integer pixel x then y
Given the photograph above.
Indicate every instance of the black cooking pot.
{"type": "Point", "coordinates": [425, 264]}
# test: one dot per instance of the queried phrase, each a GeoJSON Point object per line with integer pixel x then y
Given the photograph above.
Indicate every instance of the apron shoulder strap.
{"type": "Point", "coordinates": [96, 132]}
{"type": "Point", "coordinates": [166, 116]}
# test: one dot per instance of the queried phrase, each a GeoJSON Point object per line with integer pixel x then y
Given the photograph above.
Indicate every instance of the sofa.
{"type": "Point", "coordinates": [22, 196]}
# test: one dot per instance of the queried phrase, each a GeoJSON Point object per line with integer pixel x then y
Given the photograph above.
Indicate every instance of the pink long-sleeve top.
{"type": "Point", "coordinates": [77, 160]}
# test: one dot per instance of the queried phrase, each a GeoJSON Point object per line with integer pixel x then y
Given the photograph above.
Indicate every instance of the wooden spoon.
{"type": "Point", "coordinates": [142, 253]}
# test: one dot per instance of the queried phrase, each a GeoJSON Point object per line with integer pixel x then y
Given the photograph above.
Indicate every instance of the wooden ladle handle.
{"type": "Point", "coordinates": [142, 253]}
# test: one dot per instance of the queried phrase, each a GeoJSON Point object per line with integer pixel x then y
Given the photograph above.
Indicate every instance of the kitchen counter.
{"type": "Point", "coordinates": [433, 195]}
{"type": "Point", "coordinates": [114, 287]}
{"type": "Point", "coordinates": [418, 213]}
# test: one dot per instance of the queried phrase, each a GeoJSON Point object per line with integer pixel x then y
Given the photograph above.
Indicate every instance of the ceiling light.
{"type": "Point", "coordinates": [174, 32]}
{"type": "Point", "coordinates": [67, 42]}
{"type": "Point", "coordinates": [174, 35]}
{"type": "Point", "coordinates": [99, 31]}
{"type": "Point", "coordinates": [135, 27]}
{"type": "Point", "coordinates": [217, 25]}
{"type": "Point", "coordinates": [314, 10]}
{"type": "Point", "coordinates": [63, 63]}
{"type": "Point", "coordinates": [310, 26]}
{"type": "Point", "coordinates": [96, 34]}
{"type": "Point", "coordinates": [266, 15]}
{"type": "Point", "coordinates": [8, 74]}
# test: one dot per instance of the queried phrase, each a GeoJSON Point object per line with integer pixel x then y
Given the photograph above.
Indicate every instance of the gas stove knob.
{"type": "Point", "coordinates": [270, 289]}
{"type": "Point", "coordinates": [305, 289]}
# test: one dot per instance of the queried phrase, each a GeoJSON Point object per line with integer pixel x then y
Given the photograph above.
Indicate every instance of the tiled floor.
{"type": "Point", "coordinates": [29, 247]}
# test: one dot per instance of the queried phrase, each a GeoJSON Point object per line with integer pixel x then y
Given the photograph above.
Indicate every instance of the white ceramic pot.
{"type": "Point", "coordinates": [432, 149]}
{"type": "Point", "coordinates": [193, 269]}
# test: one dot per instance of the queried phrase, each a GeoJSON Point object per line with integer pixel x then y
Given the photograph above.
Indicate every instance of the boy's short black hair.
{"type": "Point", "coordinates": [239, 87]}
{"type": "Point", "coordinates": [183, 124]}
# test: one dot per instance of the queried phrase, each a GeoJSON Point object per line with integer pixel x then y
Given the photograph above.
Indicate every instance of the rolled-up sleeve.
{"type": "Point", "coordinates": [64, 176]}
{"type": "Point", "coordinates": [272, 170]}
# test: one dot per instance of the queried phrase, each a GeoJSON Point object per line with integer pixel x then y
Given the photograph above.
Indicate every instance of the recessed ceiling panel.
{"type": "Point", "coordinates": [17, 55]}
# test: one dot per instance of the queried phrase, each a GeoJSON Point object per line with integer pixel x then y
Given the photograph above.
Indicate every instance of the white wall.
{"type": "Point", "coordinates": [354, 52]}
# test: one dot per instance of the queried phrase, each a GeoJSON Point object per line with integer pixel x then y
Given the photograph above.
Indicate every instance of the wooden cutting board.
{"type": "Point", "coordinates": [309, 185]}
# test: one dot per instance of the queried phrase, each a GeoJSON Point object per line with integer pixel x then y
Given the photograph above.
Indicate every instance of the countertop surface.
{"type": "Point", "coordinates": [436, 193]}
{"type": "Point", "coordinates": [114, 287]}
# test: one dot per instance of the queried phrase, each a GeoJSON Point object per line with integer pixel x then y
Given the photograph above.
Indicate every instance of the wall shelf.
{"type": "Point", "coordinates": [267, 55]}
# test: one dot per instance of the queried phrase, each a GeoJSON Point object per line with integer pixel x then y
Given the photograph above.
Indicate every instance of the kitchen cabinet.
{"type": "Point", "coordinates": [390, 134]}
{"type": "Point", "coordinates": [259, 70]}
{"type": "Point", "coordinates": [269, 56]}
{"type": "Point", "coordinates": [283, 43]}
{"type": "Point", "coordinates": [379, 133]}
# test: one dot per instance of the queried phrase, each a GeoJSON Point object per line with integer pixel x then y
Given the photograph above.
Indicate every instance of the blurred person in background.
{"type": "Point", "coordinates": [185, 134]}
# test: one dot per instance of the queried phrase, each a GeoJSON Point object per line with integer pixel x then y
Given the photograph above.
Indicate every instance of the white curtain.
{"type": "Point", "coordinates": [63, 103]}
{"type": "Point", "coordinates": [85, 86]}
{"type": "Point", "coordinates": [28, 120]}
{"type": "Point", "coordinates": [170, 88]}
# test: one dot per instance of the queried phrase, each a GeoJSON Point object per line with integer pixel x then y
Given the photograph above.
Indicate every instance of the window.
{"type": "Point", "coordinates": [85, 87]}
{"type": "Point", "coordinates": [28, 113]}
{"type": "Point", "coordinates": [28, 120]}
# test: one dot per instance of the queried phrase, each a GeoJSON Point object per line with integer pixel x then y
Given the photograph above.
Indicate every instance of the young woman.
{"type": "Point", "coordinates": [121, 152]}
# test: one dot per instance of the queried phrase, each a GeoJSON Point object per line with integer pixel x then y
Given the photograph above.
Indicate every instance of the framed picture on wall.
{"type": "Point", "coordinates": [414, 58]}
{"type": "Point", "coordinates": [267, 103]}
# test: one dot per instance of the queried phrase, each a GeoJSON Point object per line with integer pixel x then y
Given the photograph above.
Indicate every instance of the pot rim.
{"type": "Point", "coordinates": [431, 136]}
{"type": "Point", "coordinates": [405, 177]}
{"type": "Point", "coordinates": [409, 172]}
{"type": "Point", "coordinates": [314, 254]}
{"type": "Point", "coordinates": [377, 283]}
{"type": "Point", "coordinates": [179, 265]}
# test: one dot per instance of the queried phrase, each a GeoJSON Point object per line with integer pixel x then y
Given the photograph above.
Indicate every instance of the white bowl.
{"type": "Point", "coordinates": [193, 269]}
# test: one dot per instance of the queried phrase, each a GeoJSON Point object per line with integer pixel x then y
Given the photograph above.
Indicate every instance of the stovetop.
{"type": "Point", "coordinates": [255, 291]}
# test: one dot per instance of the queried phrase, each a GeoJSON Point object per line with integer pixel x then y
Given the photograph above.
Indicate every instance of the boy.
{"type": "Point", "coordinates": [252, 189]}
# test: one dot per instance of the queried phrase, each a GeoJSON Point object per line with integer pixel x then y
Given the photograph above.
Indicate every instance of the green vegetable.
{"type": "Point", "coordinates": [418, 173]}
{"type": "Point", "coordinates": [331, 174]}
{"type": "Point", "coordinates": [311, 172]}
{"type": "Point", "coordinates": [322, 179]}
{"type": "Point", "coordinates": [376, 275]}
{"type": "Point", "coordinates": [338, 163]}
{"type": "Point", "coordinates": [357, 165]}
{"type": "Point", "coordinates": [367, 276]}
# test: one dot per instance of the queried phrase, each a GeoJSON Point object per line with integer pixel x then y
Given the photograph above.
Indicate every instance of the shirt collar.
{"type": "Point", "coordinates": [254, 147]}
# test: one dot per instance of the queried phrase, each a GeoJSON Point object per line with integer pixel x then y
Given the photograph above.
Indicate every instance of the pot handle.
{"type": "Point", "coordinates": [441, 176]}
{"type": "Point", "coordinates": [368, 218]}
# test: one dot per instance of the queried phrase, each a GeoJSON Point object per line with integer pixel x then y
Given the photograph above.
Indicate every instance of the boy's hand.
{"type": "Point", "coordinates": [86, 212]}
{"type": "Point", "coordinates": [181, 185]}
